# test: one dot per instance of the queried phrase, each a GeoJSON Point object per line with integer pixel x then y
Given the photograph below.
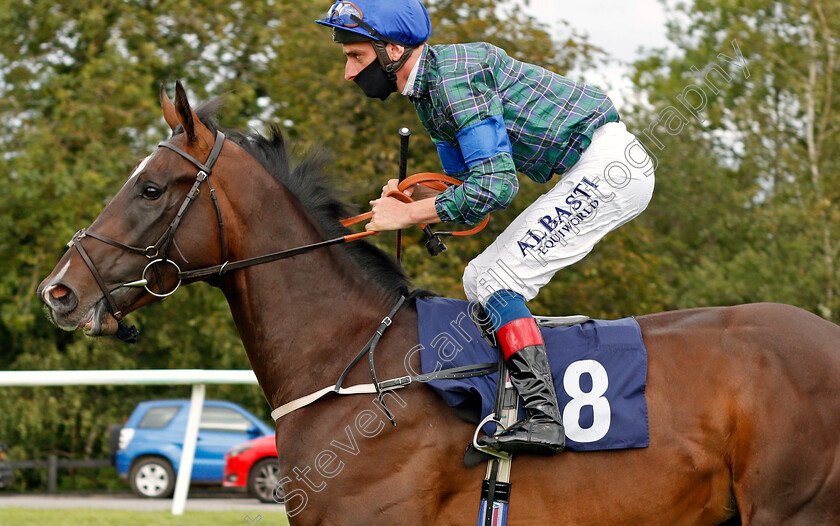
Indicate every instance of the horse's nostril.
{"type": "Point", "coordinates": [59, 291]}
{"type": "Point", "coordinates": [61, 298]}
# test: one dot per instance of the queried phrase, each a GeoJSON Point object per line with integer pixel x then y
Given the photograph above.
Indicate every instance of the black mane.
{"type": "Point", "coordinates": [308, 183]}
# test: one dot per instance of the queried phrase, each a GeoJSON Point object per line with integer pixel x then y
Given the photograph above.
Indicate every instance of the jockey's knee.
{"type": "Point", "coordinates": [482, 280]}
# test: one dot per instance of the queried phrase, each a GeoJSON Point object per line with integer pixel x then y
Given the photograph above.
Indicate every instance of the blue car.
{"type": "Point", "coordinates": [148, 447]}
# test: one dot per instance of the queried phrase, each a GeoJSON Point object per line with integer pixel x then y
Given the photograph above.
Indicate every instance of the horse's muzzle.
{"type": "Point", "coordinates": [62, 304]}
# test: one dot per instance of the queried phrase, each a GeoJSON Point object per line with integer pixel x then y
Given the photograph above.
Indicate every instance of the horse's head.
{"type": "Point", "coordinates": [131, 254]}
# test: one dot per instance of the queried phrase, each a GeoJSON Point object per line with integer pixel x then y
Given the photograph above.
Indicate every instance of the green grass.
{"type": "Point", "coordinates": [89, 517]}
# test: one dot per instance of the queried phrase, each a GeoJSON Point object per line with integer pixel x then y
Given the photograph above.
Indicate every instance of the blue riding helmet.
{"type": "Point", "coordinates": [401, 22]}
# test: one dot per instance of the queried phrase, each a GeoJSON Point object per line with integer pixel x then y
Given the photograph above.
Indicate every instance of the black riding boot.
{"type": "Point", "coordinates": [541, 431]}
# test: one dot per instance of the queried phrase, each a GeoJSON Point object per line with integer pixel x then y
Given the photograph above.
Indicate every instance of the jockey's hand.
{"type": "Point", "coordinates": [393, 186]}
{"type": "Point", "coordinates": [415, 191]}
{"type": "Point", "coordinates": [389, 214]}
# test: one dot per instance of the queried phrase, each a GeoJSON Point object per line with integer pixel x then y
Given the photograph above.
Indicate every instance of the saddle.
{"type": "Point", "coordinates": [599, 368]}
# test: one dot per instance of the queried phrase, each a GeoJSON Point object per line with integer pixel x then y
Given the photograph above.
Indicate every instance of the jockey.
{"type": "Point", "coordinates": [491, 116]}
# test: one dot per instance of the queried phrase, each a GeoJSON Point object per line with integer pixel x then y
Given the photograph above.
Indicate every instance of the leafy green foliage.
{"type": "Point", "coordinates": [745, 206]}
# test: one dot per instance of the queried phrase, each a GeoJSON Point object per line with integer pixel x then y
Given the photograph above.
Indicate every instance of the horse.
{"type": "Point", "coordinates": [743, 401]}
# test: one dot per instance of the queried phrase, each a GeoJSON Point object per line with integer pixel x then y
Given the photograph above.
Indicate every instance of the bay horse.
{"type": "Point", "coordinates": [744, 401]}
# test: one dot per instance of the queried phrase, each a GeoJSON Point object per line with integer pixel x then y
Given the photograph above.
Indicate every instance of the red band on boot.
{"type": "Point", "coordinates": [518, 334]}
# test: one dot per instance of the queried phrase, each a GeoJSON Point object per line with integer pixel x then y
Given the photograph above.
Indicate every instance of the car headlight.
{"type": "Point", "coordinates": [238, 450]}
{"type": "Point", "coordinates": [126, 434]}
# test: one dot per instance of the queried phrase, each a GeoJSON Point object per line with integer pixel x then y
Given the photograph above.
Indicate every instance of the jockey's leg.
{"type": "Point", "coordinates": [541, 431]}
{"type": "Point", "coordinates": [611, 183]}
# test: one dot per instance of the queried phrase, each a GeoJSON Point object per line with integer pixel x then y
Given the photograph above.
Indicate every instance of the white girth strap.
{"type": "Point", "coordinates": [304, 401]}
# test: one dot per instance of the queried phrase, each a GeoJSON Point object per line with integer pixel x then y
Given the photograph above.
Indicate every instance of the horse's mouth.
{"type": "Point", "coordinates": [96, 321]}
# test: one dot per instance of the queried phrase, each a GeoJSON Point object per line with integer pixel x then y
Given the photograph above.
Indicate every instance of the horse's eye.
{"type": "Point", "coordinates": [151, 193]}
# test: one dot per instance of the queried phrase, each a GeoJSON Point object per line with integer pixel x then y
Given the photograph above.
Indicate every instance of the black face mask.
{"type": "Point", "coordinates": [374, 81]}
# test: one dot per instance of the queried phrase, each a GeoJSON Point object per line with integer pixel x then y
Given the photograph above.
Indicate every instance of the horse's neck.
{"type": "Point", "coordinates": [301, 319]}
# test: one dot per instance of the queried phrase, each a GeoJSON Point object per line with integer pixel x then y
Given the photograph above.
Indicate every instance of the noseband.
{"type": "Point", "coordinates": [159, 252]}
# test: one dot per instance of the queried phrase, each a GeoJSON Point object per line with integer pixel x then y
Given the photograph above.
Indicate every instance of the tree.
{"type": "Point", "coordinates": [747, 212]}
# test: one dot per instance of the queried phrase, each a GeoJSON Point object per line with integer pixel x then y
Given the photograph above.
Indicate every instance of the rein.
{"type": "Point", "coordinates": [432, 180]}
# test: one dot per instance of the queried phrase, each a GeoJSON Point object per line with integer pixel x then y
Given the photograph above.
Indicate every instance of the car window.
{"type": "Point", "coordinates": [158, 417]}
{"type": "Point", "coordinates": [224, 419]}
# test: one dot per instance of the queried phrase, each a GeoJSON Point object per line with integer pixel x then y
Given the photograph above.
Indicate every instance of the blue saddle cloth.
{"type": "Point", "coordinates": [599, 369]}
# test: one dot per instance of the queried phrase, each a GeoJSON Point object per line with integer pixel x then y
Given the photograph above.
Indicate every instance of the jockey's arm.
{"type": "Point", "coordinates": [482, 159]}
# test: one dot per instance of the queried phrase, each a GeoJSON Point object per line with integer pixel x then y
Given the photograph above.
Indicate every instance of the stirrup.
{"type": "Point", "coordinates": [504, 455]}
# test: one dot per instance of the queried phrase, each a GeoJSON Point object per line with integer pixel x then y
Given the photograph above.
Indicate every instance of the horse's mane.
{"type": "Point", "coordinates": [308, 183]}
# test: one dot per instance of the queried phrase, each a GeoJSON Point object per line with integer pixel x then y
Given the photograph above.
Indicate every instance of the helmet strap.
{"type": "Point", "coordinates": [391, 66]}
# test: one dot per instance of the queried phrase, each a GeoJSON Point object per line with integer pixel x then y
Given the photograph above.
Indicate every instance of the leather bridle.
{"type": "Point", "coordinates": [158, 253]}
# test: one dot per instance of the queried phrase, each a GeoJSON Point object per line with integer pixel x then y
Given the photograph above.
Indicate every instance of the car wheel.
{"type": "Point", "coordinates": [152, 477]}
{"type": "Point", "coordinates": [264, 481]}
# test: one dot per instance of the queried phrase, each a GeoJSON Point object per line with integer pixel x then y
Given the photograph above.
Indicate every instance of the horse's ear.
{"type": "Point", "coordinates": [169, 113]}
{"type": "Point", "coordinates": [195, 129]}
